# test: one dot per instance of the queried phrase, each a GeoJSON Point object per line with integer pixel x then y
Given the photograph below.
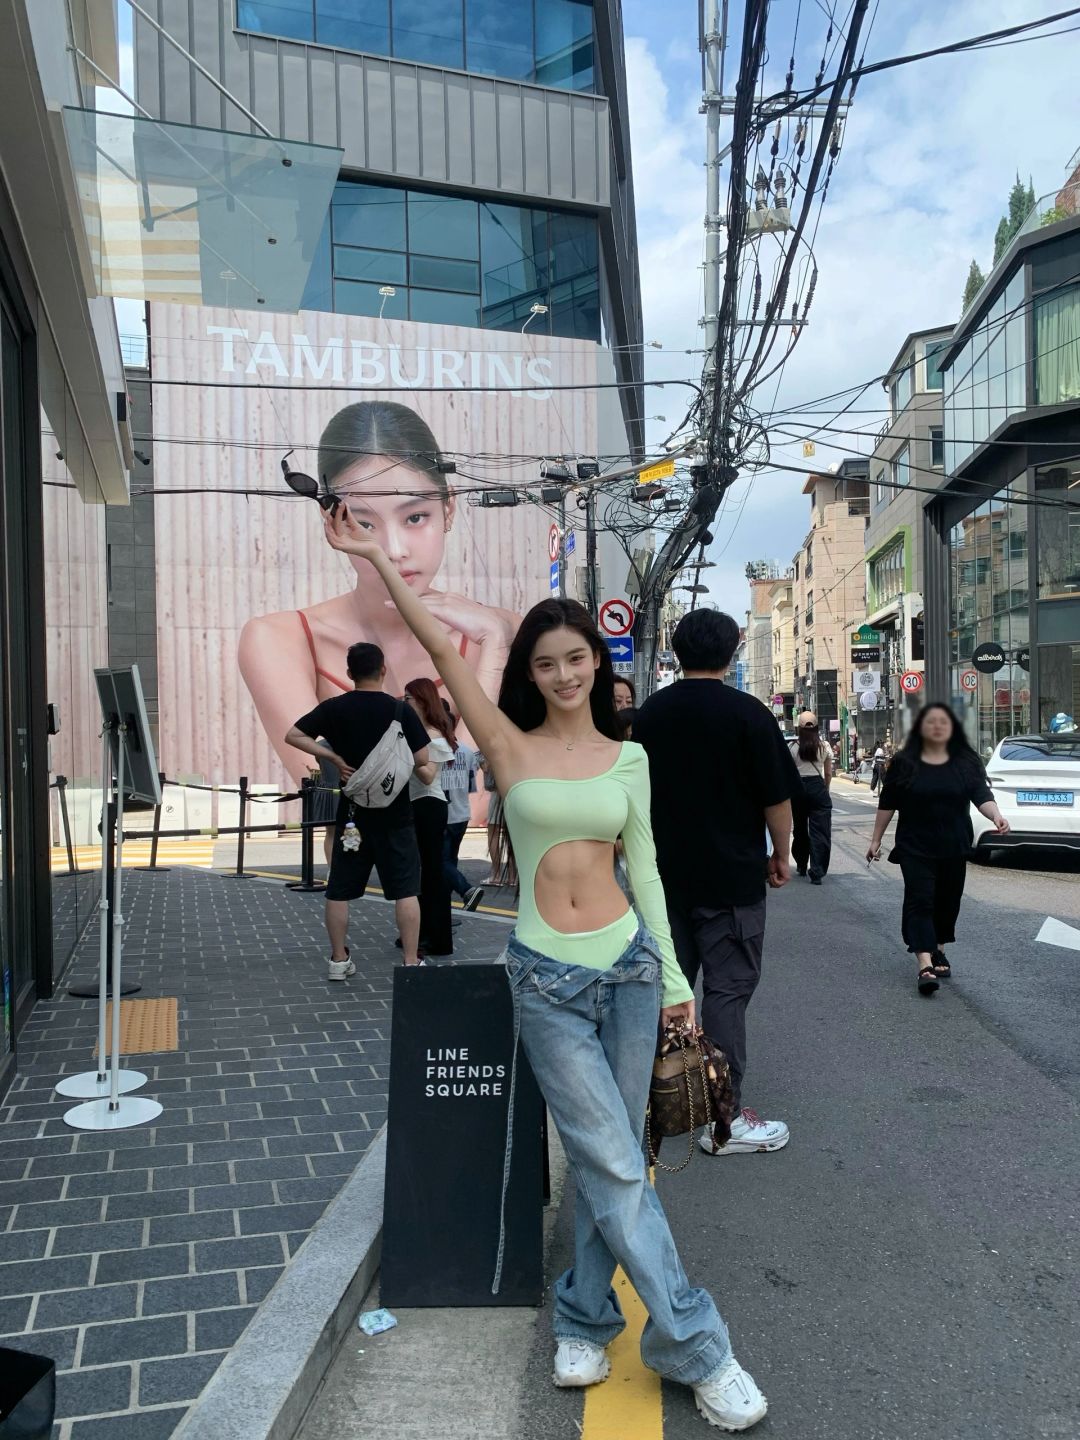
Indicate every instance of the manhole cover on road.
{"type": "Point", "coordinates": [145, 1026]}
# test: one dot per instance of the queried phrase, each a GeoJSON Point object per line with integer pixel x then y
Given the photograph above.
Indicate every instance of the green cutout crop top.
{"type": "Point", "coordinates": [543, 813]}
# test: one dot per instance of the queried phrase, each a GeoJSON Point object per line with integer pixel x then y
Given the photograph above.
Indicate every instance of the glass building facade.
{"type": "Point", "coordinates": [547, 42]}
{"type": "Point", "coordinates": [987, 381]}
{"type": "Point", "coordinates": [456, 261]}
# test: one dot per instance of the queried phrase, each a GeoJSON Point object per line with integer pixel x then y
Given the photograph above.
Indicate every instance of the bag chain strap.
{"type": "Point", "coordinates": [653, 1158]}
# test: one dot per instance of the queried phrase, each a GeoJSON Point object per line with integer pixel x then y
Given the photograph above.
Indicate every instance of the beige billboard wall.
{"type": "Point", "coordinates": [236, 665]}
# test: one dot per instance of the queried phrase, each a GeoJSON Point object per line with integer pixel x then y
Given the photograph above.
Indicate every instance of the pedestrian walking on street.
{"type": "Point", "coordinates": [625, 694]}
{"type": "Point", "coordinates": [721, 777]}
{"type": "Point", "coordinates": [811, 844]}
{"type": "Point", "coordinates": [353, 725]}
{"type": "Point", "coordinates": [932, 782]}
{"type": "Point", "coordinates": [430, 810]}
{"type": "Point", "coordinates": [880, 763]}
{"type": "Point", "coordinates": [459, 782]}
{"type": "Point", "coordinates": [589, 981]}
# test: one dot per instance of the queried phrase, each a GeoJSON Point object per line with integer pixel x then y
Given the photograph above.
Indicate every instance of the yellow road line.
{"type": "Point", "coordinates": [628, 1406]}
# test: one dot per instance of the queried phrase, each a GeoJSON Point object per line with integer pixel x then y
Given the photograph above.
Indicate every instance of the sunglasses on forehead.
{"type": "Point", "coordinates": [308, 486]}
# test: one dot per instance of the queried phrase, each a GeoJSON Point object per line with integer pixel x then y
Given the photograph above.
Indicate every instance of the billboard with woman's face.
{"type": "Point", "coordinates": [254, 610]}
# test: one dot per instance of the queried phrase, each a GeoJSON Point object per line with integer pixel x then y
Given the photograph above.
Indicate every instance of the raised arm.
{"type": "Point", "coordinates": [490, 728]}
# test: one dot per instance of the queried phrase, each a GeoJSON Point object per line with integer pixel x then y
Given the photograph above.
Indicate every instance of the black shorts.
{"type": "Point", "coordinates": [392, 850]}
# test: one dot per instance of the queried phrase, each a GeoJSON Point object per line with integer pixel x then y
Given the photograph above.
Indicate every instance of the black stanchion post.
{"type": "Point", "coordinates": [154, 833]}
{"type": "Point", "coordinates": [65, 820]}
{"type": "Point", "coordinates": [308, 882]}
{"type": "Point", "coordinates": [240, 873]}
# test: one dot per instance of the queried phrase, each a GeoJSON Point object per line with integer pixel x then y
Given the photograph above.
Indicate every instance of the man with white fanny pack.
{"type": "Point", "coordinates": [376, 742]}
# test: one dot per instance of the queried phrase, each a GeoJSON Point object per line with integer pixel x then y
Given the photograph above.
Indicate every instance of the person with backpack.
{"type": "Point", "coordinates": [811, 844]}
{"type": "Point", "coordinates": [377, 744]}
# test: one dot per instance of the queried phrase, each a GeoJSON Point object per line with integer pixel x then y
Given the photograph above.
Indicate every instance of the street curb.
{"type": "Point", "coordinates": [265, 1384]}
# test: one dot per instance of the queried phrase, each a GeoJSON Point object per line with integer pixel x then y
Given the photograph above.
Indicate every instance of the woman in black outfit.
{"type": "Point", "coordinates": [933, 781]}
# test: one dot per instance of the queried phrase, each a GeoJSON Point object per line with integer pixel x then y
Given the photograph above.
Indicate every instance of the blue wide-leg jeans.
{"type": "Point", "coordinates": [590, 1036]}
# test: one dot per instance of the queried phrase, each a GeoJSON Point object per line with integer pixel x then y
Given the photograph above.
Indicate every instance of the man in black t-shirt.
{"type": "Point", "coordinates": [352, 725]}
{"type": "Point", "coordinates": [721, 776]}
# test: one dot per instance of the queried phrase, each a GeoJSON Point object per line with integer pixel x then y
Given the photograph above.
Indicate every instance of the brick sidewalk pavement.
{"type": "Point", "coordinates": [137, 1258]}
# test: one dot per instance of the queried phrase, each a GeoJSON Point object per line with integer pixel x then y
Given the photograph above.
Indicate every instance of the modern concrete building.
{"type": "Point", "coordinates": [66, 451]}
{"type": "Point", "coordinates": [908, 460]}
{"type": "Point", "coordinates": [1003, 533]}
{"type": "Point", "coordinates": [829, 588]}
{"type": "Point", "coordinates": [762, 575]}
{"type": "Point", "coordinates": [486, 152]}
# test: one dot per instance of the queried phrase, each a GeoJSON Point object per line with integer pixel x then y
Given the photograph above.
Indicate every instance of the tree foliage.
{"type": "Point", "coordinates": [973, 285]}
{"type": "Point", "coordinates": [1021, 204]}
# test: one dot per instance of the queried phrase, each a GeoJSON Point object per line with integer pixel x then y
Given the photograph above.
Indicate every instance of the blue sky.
{"type": "Point", "coordinates": [929, 154]}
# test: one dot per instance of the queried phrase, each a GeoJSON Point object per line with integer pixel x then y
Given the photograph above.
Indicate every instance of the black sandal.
{"type": "Point", "coordinates": [942, 968]}
{"type": "Point", "coordinates": [927, 980]}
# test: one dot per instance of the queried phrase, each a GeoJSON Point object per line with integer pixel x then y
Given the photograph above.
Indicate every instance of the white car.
{"type": "Point", "coordinates": [1036, 783]}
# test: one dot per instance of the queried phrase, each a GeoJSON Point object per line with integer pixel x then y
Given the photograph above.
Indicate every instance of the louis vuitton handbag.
{"type": "Point", "coordinates": [691, 1086]}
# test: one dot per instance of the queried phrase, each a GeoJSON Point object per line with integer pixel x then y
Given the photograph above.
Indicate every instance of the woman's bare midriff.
{"type": "Point", "coordinates": [575, 887]}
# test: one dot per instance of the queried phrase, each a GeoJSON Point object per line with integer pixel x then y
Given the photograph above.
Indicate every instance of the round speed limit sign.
{"type": "Point", "coordinates": [910, 682]}
{"type": "Point", "coordinates": [970, 680]}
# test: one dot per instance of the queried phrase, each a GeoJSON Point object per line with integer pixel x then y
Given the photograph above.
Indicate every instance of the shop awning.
{"type": "Point", "coordinates": [204, 217]}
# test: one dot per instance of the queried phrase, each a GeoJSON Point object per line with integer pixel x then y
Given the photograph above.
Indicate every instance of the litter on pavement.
{"type": "Point", "coordinates": [374, 1322]}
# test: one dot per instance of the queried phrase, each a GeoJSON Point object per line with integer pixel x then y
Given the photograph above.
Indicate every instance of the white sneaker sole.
{"type": "Point", "coordinates": [743, 1147]}
{"type": "Point", "coordinates": [732, 1426]}
{"type": "Point", "coordinates": [574, 1382]}
{"type": "Point", "coordinates": [342, 972]}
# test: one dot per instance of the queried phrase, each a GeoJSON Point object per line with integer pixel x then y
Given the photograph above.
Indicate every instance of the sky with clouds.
{"type": "Point", "coordinates": [930, 152]}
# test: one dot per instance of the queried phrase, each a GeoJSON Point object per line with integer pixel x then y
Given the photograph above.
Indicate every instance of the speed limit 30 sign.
{"type": "Point", "coordinates": [970, 680]}
{"type": "Point", "coordinates": [911, 682]}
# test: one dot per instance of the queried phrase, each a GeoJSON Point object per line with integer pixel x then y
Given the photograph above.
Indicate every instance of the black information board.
{"type": "Point", "coordinates": [451, 1044]}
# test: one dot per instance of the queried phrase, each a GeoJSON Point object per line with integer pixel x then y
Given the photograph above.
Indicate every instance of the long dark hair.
{"type": "Point", "coordinates": [809, 742]}
{"type": "Point", "coordinates": [380, 427]}
{"type": "Point", "coordinates": [429, 706]}
{"type": "Point", "coordinates": [903, 765]}
{"type": "Point", "coordinates": [520, 699]}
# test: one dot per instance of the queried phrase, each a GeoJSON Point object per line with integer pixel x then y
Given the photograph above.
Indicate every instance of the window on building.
{"type": "Point", "coordinates": [548, 42]}
{"type": "Point", "coordinates": [809, 657]}
{"type": "Point", "coordinates": [901, 468]}
{"type": "Point", "coordinates": [1058, 544]}
{"type": "Point", "coordinates": [887, 574]}
{"type": "Point", "coordinates": [1057, 347]}
{"type": "Point", "coordinates": [937, 446]}
{"type": "Point", "coordinates": [934, 349]}
{"type": "Point", "coordinates": [902, 387]}
{"type": "Point", "coordinates": [809, 610]}
{"type": "Point", "coordinates": [809, 558]}
{"type": "Point", "coordinates": [881, 490]}
{"type": "Point", "coordinates": [456, 261]}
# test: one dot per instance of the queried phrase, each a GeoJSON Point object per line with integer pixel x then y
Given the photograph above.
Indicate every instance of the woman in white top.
{"type": "Point", "coordinates": [811, 843]}
{"type": "Point", "coordinates": [429, 817]}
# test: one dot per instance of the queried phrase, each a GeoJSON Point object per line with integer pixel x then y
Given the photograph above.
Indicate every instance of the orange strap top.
{"type": "Point", "coordinates": [342, 684]}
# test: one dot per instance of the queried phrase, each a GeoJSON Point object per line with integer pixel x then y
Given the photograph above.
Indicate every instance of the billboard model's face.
{"type": "Point", "coordinates": [403, 514]}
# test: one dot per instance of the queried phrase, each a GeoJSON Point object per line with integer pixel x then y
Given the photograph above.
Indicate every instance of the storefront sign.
{"type": "Point", "coordinates": [918, 637]}
{"type": "Point", "coordinates": [865, 680]}
{"type": "Point", "coordinates": [988, 658]}
{"type": "Point", "coordinates": [451, 1056]}
{"type": "Point", "coordinates": [1023, 658]}
{"type": "Point", "coordinates": [863, 655]}
{"type": "Point", "coordinates": [866, 635]}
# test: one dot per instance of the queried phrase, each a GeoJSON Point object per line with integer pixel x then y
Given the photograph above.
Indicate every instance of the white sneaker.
{"type": "Point", "coordinates": [579, 1363]}
{"type": "Point", "coordinates": [730, 1399]}
{"type": "Point", "coordinates": [748, 1133]}
{"type": "Point", "coordinates": [341, 969]}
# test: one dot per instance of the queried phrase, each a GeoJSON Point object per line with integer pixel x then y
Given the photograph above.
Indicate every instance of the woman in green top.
{"type": "Point", "coordinates": [589, 981]}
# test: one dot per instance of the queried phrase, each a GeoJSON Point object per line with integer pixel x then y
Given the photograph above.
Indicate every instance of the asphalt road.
{"type": "Point", "coordinates": [907, 1268]}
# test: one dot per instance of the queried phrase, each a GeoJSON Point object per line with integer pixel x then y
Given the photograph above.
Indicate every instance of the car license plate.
{"type": "Point", "coordinates": [1044, 797]}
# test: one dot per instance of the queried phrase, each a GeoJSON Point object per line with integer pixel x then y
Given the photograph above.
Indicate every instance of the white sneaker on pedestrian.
{"type": "Point", "coordinates": [341, 969]}
{"type": "Point", "coordinates": [748, 1134]}
{"type": "Point", "coordinates": [579, 1363]}
{"type": "Point", "coordinates": [730, 1398]}
{"type": "Point", "coordinates": [472, 898]}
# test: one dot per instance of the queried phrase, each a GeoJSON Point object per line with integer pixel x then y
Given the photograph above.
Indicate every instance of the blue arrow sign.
{"type": "Point", "coordinates": [554, 577]}
{"type": "Point", "coordinates": [621, 649]}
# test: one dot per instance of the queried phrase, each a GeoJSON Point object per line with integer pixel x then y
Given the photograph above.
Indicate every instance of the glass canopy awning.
{"type": "Point", "coordinates": [204, 217]}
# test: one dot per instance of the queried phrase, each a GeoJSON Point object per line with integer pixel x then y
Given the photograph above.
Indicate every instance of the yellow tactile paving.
{"type": "Point", "coordinates": [628, 1406]}
{"type": "Point", "coordinates": [146, 1026]}
{"type": "Point", "coordinates": [136, 853]}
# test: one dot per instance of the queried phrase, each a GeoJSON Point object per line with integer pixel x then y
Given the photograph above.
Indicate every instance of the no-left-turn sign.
{"type": "Point", "coordinates": [616, 617]}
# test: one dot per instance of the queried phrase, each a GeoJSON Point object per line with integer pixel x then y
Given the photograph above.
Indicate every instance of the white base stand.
{"type": "Point", "coordinates": [92, 1086]}
{"type": "Point", "coordinates": [99, 1114]}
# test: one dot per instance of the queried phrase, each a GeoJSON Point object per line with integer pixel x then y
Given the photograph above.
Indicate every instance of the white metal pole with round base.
{"type": "Point", "coordinates": [95, 1084]}
{"type": "Point", "coordinates": [115, 1111]}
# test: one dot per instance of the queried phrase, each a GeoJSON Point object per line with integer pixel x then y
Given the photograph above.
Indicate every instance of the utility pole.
{"type": "Point", "coordinates": [592, 589]}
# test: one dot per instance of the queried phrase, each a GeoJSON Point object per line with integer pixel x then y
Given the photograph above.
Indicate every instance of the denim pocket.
{"type": "Point", "coordinates": [559, 983]}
